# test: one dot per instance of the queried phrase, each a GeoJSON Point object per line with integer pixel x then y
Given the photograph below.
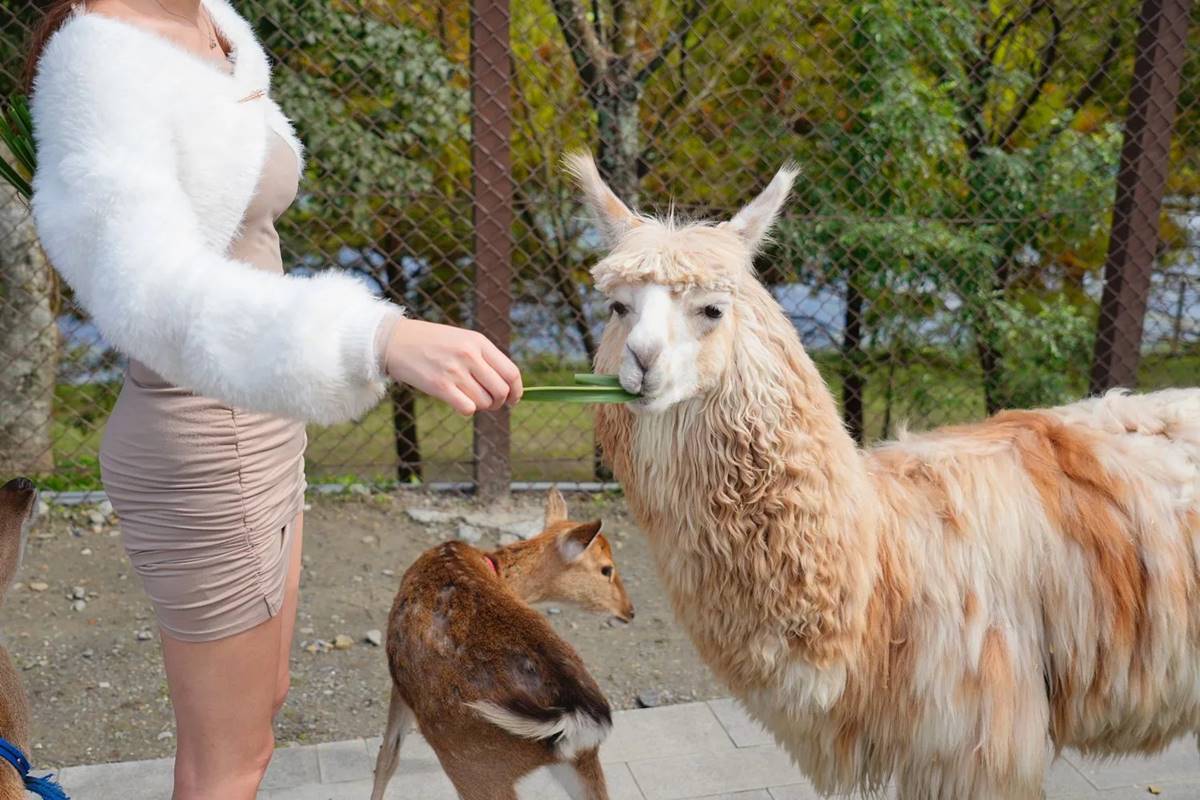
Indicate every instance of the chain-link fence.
{"type": "Point", "coordinates": [1000, 201]}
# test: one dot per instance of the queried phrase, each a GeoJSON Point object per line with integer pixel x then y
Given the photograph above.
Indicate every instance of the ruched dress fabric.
{"type": "Point", "coordinates": [206, 494]}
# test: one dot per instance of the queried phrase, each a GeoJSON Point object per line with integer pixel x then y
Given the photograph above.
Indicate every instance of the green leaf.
{"type": "Point", "coordinates": [577, 394]}
{"type": "Point", "coordinates": [588, 379]}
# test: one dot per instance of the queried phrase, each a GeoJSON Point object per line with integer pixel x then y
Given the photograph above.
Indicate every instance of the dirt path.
{"type": "Point", "coordinates": [99, 693]}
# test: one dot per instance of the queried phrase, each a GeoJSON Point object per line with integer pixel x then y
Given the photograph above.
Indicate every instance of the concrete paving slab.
{"type": "Point", "coordinates": [664, 731]}
{"type": "Point", "coordinates": [697, 774]}
{"type": "Point", "coordinates": [694, 751]}
{"type": "Point", "coordinates": [292, 766]}
{"type": "Point", "coordinates": [340, 762]}
{"type": "Point", "coordinates": [1179, 763]}
{"type": "Point", "coordinates": [744, 731]}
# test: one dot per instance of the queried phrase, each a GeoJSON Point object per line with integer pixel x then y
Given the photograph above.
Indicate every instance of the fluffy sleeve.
{"type": "Point", "coordinates": [116, 223]}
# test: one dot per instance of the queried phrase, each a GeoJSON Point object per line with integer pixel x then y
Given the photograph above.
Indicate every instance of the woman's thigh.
{"type": "Point", "coordinates": [223, 693]}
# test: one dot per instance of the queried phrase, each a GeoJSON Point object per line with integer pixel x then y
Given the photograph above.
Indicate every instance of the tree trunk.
{"type": "Point", "coordinates": [28, 344]}
{"type": "Point", "coordinates": [618, 151]}
{"type": "Point", "coordinates": [402, 396]}
{"type": "Point", "coordinates": [991, 361]}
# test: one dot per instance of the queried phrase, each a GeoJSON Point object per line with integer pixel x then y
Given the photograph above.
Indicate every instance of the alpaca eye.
{"type": "Point", "coordinates": [606, 572]}
{"type": "Point", "coordinates": [620, 309]}
{"type": "Point", "coordinates": [713, 312]}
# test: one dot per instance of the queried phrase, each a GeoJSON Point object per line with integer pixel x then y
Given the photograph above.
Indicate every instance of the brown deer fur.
{"type": "Point", "coordinates": [494, 690]}
{"type": "Point", "coordinates": [16, 510]}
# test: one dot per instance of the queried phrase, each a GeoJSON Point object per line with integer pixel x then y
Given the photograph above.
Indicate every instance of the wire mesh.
{"type": "Point", "coordinates": [944, 255]}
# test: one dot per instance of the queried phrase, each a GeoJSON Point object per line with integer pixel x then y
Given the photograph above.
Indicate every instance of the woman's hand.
{"type": "Point", "coordinates": [452, 364]}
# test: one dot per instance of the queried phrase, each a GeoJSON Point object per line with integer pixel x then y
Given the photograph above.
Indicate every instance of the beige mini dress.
{"type": "Point", "coordinates": [206, 493]}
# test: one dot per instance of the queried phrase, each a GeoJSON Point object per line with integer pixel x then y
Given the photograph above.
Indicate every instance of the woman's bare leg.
{"type": "Point", "coordinates": [287, 615]}
{"type": "Point", "coordinates": [225, 695]}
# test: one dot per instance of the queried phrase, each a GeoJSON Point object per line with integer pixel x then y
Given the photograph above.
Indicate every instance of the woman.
{"type": "Point", "coordinates": [163, 164]}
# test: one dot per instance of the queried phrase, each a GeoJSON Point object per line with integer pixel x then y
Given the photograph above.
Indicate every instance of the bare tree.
{"type": "Point", "coordinates": [614, 72]}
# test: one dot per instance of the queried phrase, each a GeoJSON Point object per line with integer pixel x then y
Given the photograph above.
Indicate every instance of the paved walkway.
{"type": "Point", "coordinates": [683, 752]}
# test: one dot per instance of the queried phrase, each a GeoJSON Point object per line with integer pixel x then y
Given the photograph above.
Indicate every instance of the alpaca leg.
{"type": "Point", "coordinates": [400, 716]}
{"type": "Point", "coordinates": [582, 778]}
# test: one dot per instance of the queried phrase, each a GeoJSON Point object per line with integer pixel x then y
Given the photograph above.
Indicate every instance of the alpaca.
{"type": "Point", "coordinates": [946, 612]}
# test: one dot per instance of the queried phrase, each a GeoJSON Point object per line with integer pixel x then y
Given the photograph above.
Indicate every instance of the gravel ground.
{"type": "Point", "coordinates": [79, 627]}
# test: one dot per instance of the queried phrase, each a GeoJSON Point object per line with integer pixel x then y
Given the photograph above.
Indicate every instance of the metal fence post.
{"type": "Point", "coordinates": [1145, 160]}
{"type": "Point", "coordinates": [491, 160]}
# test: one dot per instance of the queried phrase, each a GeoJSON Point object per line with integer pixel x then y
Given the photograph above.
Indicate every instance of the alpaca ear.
{"type": "Point", "coordinates": [574, 543]}
{"type": "Point", "coordinates": [612, 215]}
{"type": "Point", "coordinates": [556, 507]}
{"type": "Point", "coordinates": [754, 221]}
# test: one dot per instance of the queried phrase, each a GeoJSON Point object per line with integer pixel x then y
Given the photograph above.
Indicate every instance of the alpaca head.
{"type": "Point", "coordinates": [676, 291]}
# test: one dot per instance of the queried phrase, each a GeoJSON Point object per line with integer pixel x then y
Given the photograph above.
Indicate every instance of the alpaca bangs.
{"type": "Point", "coordinates": [695, 257]}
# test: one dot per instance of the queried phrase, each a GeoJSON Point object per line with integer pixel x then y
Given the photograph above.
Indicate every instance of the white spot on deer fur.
{"type": "Point", "coordinates": [577, 732]}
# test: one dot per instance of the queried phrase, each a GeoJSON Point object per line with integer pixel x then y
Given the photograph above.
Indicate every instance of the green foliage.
{"type": "Point", "coordinates": [16, 137]}
{"type": "Point", "coordinates": [954, 174]}
{"type": "Point", "coordinates": [376, 104]}
{"type": "Point", "coordinates": [1046, 349]}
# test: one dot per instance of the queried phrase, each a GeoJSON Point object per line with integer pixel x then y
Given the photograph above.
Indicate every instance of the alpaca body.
{"type": "Point", "coordinates": [947, 611]}
{"type": "Point", "coordinates": [495, 691]}
{"type": "Point", "coordinates": [1034, 587]}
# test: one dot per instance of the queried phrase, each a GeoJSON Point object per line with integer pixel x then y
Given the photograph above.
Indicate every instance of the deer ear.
{"type": "Point", "coordinates": [574, 543]}
{"type": "Point", "coordinates": [612, 215]}
{"type": "Point", "coordinates": [754, 221]}
{"type": "Point", "coordinates": [556, 507]}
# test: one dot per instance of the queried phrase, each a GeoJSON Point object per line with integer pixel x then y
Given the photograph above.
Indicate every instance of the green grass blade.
{"type": "Point", "coordinates": [576, 394]}
{"type": "Point", "coordinates": [14, 179]}
{"type": "Point", "coordinates": [16, 132]}
{"type": "Point", "coordinates": [588, 379]}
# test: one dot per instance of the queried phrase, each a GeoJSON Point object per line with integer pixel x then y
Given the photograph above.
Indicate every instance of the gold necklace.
{"type": "Point", "coordinates": [212, 28]}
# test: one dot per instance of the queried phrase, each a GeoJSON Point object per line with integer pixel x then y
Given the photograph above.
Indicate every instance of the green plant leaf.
{"type": "Point", "coordinates": [577, 394]}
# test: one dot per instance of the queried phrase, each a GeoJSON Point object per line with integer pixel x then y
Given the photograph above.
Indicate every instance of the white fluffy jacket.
{"type": "Point", "coordinates": [147, 160]}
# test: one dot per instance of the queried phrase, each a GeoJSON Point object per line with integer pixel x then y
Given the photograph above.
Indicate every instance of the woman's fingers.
{"type": "Point", "coordinates": [506, 370]}
{"type": "Point", "coordinates": [458, 366]}
{"type": "Point", "coordinates": [458, 400]}
{"type": "Point", "coordinates": [492, 383]}
{"type": "Point", "coordinates": [468, 385]}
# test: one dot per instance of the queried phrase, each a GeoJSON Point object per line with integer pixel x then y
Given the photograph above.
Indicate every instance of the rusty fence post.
{"type": "Point", "coordinates": [1141, 180]}
{"type": "Point", "coordinates": [492, 188]}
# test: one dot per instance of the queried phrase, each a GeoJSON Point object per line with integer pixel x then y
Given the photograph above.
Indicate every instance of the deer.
{"type": "Point", "coordinates": [18, 504]}
{"type": "Point", "coordinates": [491, 686]}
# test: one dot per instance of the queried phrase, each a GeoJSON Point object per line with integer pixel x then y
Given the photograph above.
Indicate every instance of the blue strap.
{"type": "Point", "coordinates": [45, 787]}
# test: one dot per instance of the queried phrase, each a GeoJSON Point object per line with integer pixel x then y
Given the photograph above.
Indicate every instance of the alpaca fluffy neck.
{"type": "Point", "coordinates": [758, 507]}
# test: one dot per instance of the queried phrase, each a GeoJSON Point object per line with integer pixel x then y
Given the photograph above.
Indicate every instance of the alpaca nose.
{"type": "Point", "coordinates": [645, 356]}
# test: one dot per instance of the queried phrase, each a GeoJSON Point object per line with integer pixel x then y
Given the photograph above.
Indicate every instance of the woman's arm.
{"type": "Point", "coordinates": [117, 224]}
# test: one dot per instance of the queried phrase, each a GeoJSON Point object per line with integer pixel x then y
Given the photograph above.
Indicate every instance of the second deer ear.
{"type": "Point", "coordinates": [556, 507]}
{"type": "Point", "coordinates": [573, 543]}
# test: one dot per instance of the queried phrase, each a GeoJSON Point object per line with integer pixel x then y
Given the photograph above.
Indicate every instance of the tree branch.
{"type": "Point", "coordinates": [1026, 15]}
{"type": "Point", "coordinates": [623, 33]}
{"type": "Point", "coordinates": [674, 39]}
{"type": "Point", "coordinates": [1049, 58]}
{"type": "Point", "coordinates": [586, 51]}
{"type": "Point", "coordinates": [597, 24]}
{"type": "Point", "coordinates": [1092, 84]}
